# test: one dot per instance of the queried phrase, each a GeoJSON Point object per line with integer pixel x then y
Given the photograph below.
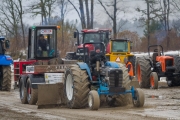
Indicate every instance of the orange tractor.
{"type": "Point", "coordinates": [149, 69]}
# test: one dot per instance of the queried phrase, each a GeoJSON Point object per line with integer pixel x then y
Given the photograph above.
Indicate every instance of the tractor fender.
{"type": "Point", "coordinates": [35, 80]}
{"type": "Point", "coordinates": [111, 64]}
{"type": "Point", "coordinates": [84, 66]}
{"type": "Point", "coordinates": [6, 60]}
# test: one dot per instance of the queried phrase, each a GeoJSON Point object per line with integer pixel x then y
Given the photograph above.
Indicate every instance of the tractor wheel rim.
{"type": "Point", "coordinates": [152, 81]}
{"type": "Point", "coordinates": [90, 101]}
{"type": "Point", "coordinates": [136, 100]}
{"type": "Point", "coordinates": [139, 73]}
{"type": "Point", "coordinates": [69, 87]}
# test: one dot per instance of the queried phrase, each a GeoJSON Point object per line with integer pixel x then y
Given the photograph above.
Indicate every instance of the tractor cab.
{"type": "Point", "coordinates": [42, 42]}
{"type": "Point", "coordinates": [95, 35]}
{"type": "Point", "coordinates": [119, 45]}
{"type": "Point", "coordinates": [119, 50]}
{"type": "Point", "coordinates": [4, 44]}
{"type": "Point", "coordinates": [88, 36]}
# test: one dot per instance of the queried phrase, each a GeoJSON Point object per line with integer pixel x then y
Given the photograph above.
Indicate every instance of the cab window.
{"type": "Point", "coordinates": [46, 45]}
{"type": "Point", "coordinates": [119, 46]}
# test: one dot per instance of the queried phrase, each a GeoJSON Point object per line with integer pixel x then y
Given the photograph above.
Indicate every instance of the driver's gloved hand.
{"type": "Point", "coordinates": [47, 47]}
{"type": "Point", "coordinates": [40, 48]}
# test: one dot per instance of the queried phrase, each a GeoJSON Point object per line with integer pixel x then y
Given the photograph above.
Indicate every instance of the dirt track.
{"type": "Point", "coordinates": [163, 103]}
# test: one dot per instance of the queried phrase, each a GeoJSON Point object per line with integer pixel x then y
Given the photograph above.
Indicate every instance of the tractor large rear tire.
{"type": "Point", "coordinates": [76, 87]}
{"type": "Point", "coordinates": [123, 99]}
{"type": "Point", "coordinates": [176, 80]}
{"type": "Point", "coordinates": [177, 63]}
{"type": "Point", "coordinates": [6, 79]}
{"type": "Point", "coordinates": [142, 72]}
{"type": "Point", "coordinates": [32, 94]}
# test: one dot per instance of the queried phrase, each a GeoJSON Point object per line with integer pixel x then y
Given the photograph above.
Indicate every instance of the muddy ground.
{"type": "Point", "coordinates": [163, 103]}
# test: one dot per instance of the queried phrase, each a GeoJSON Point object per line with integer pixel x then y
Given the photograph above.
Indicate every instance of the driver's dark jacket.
{"type": "Point", "coordinates": [43, 44]}
{"type": "Point", "coordinates": [95, 57]}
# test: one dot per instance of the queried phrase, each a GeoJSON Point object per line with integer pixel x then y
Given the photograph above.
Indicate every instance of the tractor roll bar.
{"type": "Point", "coordinates": [155, 46]}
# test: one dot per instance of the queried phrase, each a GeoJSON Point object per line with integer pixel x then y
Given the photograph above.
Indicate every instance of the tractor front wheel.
{"type": "Point", "coordinates": [93, 100]}
{"type": "Point", "coordinates": [154, 80]}
{"type": "Point", "coordinates": [139, 99]}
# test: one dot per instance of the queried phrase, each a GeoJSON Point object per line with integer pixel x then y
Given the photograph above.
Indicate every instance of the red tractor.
{"type": "Point", "coordinates": [88, 36]}
{"type": "Point", "coordinates": [150, 69]}
{"type": "Point", "coordinates": [39, 75]}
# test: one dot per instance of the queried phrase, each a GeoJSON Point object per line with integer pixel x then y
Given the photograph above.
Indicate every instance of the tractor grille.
{"type": "Point", "coordinates": [115, 77]}
{"type": "Point", "coordinates": [169, 62]}
{"type": "Point", "coordinates": [169, 66]}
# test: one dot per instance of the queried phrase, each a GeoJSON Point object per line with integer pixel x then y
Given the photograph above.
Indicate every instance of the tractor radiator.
{"type": "Point", "coordinates": [115, 76]}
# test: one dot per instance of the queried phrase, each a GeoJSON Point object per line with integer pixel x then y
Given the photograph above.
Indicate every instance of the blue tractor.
{"type": "Point", "coordinates": [5, 66]}
{"type": "Point", "coordinates": [93, 83]}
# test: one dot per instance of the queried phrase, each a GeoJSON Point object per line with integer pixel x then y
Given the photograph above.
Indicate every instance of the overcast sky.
{"type": "Point", "coordinates": [99, 14]}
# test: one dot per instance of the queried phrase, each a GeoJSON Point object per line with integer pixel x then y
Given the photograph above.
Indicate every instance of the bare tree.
{"type": "Point", "coordinates": [63, 4]}
{"type": "Point", "coordinates": [112, 5]}
{"type": "Point", "coordinates": [20, 11]}
{"type": "Point", "coordinates": [9, 20]}
{"type": "Point", "coordinates": [157, 10]}
{"type": "Point", "coordinates": [43, 8]}
{"type": "Point", "coordinates": [81, 13]}
{"type": "Point", "coordinates": [87, 13]}
{"type": "Point", "coordinates": [92, 14]}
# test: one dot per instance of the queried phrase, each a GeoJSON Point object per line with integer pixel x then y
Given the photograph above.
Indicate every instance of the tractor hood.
{"type": "Point", "coordinates": [89, 46]}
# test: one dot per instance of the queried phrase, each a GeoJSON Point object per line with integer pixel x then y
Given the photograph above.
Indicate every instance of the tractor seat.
{"type": "Point", "coordinates": [154, 55]}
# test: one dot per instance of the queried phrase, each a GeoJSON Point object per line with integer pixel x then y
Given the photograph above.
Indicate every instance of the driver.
{"type": "Point", "coordinates": [42, 46]}
{"type": "Point", "coordinates": [95, 55]}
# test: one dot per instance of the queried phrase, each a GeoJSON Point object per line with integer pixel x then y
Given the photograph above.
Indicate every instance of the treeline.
{"type": "Point", "coordinates": [155, 26]}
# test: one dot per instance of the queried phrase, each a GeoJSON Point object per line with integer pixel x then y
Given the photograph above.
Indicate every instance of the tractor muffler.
{"type": "Point", "coordinates": [50, 95]}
